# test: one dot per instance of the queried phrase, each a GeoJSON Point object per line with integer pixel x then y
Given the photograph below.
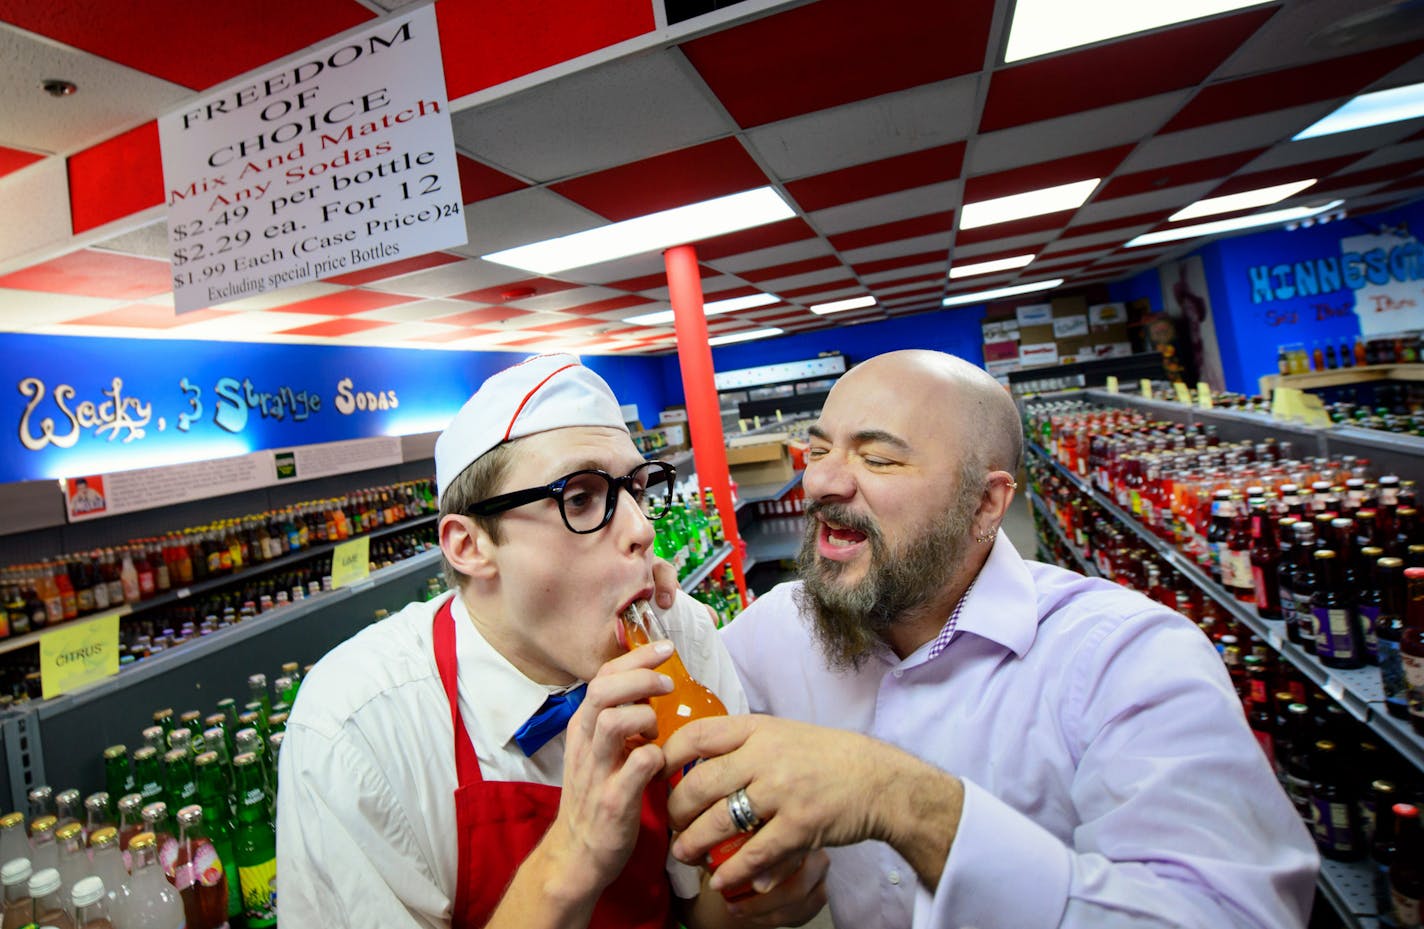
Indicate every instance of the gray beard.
{"type": "Point", "coordinates": [852, 621]}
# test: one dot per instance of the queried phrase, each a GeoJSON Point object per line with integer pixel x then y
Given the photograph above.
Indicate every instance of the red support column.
{"type": "Point", "coordinates": [704, 414]}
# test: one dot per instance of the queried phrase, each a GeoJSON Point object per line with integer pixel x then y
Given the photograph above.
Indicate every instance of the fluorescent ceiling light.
{"type": "Point", "coordinates": [989, 267]}
{"type": "Point", "coordinates": [744, 336]}
{"type": "Point", "coordinates": [1375, 109]}
{"type": "Point", "coordinates": [1231, 225]}
{"type": "Point", "coordinates": [984, 296]}
{"type": "Point", "coordinates": [650, 233]}
{"type": "Point", "coordinates": [1247, 200]}
{"type": "Point", "coordinates": [1029, 203]}
{"type": "Point", "coordinates": [731, 305]}
{"type": "Point", "coordinates": [1043, 26]}
{"type": "Point", "coordinates": [840, 306]}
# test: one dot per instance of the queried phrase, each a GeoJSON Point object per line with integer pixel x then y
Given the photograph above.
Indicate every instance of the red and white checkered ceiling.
{"type": "Point", "coordinates": [876, 121]}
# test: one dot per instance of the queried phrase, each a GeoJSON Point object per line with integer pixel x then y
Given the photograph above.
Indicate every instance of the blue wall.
{"type": "Point", "coordinates": [1256, 311]}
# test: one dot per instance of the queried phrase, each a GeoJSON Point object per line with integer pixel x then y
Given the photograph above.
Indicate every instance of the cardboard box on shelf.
{"type": "Point", "coordinates": [1029, 335]}
{"type": "Point", "coordinates": [1001, 351]}
{"type": "Point", "coordinates": [1112, 350]}
{"type": "Point", "coordinates": [1069, 306]}
{"type": "Point", "coordinates": [1034, 314]}
{"type": "Point", "coordinates": [1107, 314]}
{"type": "Point", "coordinates": [1066, 327]}
{"type": "Point", "coordinates": [759, 459]}
{"type": "Point", "coordinates": [1111, 332]}
{"type": "Point", "coordinates": [1042, 353]}
{"type": "Point", "coordinates": [673, 414]}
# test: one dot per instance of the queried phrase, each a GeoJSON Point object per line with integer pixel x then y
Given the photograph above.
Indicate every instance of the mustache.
{"type": "Point", "coordinates": [844, 516]}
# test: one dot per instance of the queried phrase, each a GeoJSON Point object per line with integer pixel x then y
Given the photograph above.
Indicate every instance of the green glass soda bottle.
{"type": "Point", "coordinates": [148, 774]}
{"type": "Point", "coordinates": [118, 776]}
{"type": "Point", "coordinates": [182, 785]}
{"type": "Point", "coordinates": [254, 845]}
{"type": "Point", "coordinates": [215, 796]}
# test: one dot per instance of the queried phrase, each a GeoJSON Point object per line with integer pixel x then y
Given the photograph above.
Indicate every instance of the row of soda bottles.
{"type": "Point", "coordinates": [217, 772]}
{"type": "Point", "coordinates": [72, 585]}
{"type": "Point", "coordinates": [689, 534]}
{"type": "Point", "coordinates": [183, 621]}
{"type": "Point", "coordinates": [1359, 799]}
{"type": "Point", "coordinates": [1396, 348]}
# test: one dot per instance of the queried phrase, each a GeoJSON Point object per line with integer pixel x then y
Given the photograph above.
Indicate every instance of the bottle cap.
{"type": "Point", "coordinates": [43, 824]}
{"type": "Point", "coordinates": [15, 871]}
{"type": "Point", "coordinates": [44, 882]}
{"type": "Point", "coordinates": [11, 820]}
{"type": "Point", "coordinates": [130, 803]}
{"type": "Point", "coordinates": [206, 758]}
{"type": "Point", "coordinates": [102, 838]}
{"type": "Point", "coordinates": [97, 801]}
{"type": "Point", "coordinates": [190, 815]}
{"type": "Point", "coordinates": [155, 811]}
{"type": "Point", "coordinates": [87, 890]}
{"type": "Point", "coordinates": [68, 831]}
{"type": "Point", "coordinates": [142, 840]}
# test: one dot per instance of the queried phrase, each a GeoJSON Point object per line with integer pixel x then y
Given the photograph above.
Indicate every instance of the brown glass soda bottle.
{"type": "Point", "coordinates": [1265, 563]}
{"type": "Point", "coordinates": [1338, 640]}
{"type": "Point", "coordinates": [1411, 644]}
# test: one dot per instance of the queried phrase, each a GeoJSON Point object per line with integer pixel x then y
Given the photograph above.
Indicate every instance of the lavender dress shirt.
{"type": "Point", "coordinates": [1110, 777]}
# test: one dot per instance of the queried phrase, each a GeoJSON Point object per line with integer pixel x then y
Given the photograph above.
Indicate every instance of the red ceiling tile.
{"type": "Point", "coordinates": [454, 335]}
{"type": "Point", "coordinates": [750, 240]}
{"type": "Point", "coordinates": [1378, 175]}
{"type": "Point", "coordinates": [501, 293]}
{"type": "Point", "coordinates": [565, 324]}
{"type": "Point", "coordinates": [656, 281]}
{"type": "Point", "coordinates": [904, 261]}
{"type": "Point", "coordinates": [534, 340]}
{"type": "Point", "coordinates": [936, 276]}
{"type": "Point", "coordinates": [833, 52]}
{"type": "Point", "coordinates": [606, 306]}
{"type": "Point", "coordinates": [826, 287]}
{"type": "Point", "coordinates": [861, 182]}
{"type": "Point", "coordinates": [690, 175]}
{"type": "Point", "coordinates": [1121, 222]}
{"type": "Point", "coordinates": [1012, 229]}
{"type": "Point", "coordinates": [938, 288]}
{"type": "Point", "coordinates": [891, 232]}
{"type": "Point", "coordinates": [115, 178]}
{"type": "Point", "coordinates": [1408, 183]}
{"type": "Point", "coordinates": [1000, 255]}
{"type": "Point", "coordinates": [95, 273]}
{"type": "Point", "coordinates": [1278, 90]}
{"type": "Point", "coordinates": [336, 327]}
{"type": "Point", "coordinates": [196, 45]}
{"type": "Point", "coordinates": [1074, 251]}
{"type": "Point", "coordinates": [146, 316]}
{"type": "Point", "coordinates": [491, 314]}
{"type": "Point", "coordinates": [484, 43]}
{"type": "Point", "coordinates": [480, 182]}
{"type": "Point", "coordinates": [1323, 168]}
{"type": "Point", "coordinates": [12, 159]}
{"type": "Point", "coordinates": [790, 269]}
{"type": "Point", "coordinates": [1190, 172]}
{"type": "Point", "coordinates": [1129, 69]}
{"type": "Point", "coordinates": [395, 269]}
{"type": "Point", "coordinates": [345, 303]}
{"type": "Point", "coordinates": [631, 330]}
{"type": "Point", "coordinates": [1045, 174]}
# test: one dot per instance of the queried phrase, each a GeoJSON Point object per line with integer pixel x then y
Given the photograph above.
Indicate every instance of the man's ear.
{"type": "Point", "coordinates": [467, 547]}
{"type": "Point", "coordinates": [994, 504]}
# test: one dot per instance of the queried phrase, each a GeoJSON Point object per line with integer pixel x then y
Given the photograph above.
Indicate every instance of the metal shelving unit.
{"type": "Point", "coordinates": [761, 493]}
{"type": "Point", "coordinates": [1084, 562]}
{"type": "Point", "coordinates": [700, 573]}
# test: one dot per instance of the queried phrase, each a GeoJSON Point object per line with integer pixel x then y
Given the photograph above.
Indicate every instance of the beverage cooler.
{"type": "Point", "coordinates": [1296, 550]}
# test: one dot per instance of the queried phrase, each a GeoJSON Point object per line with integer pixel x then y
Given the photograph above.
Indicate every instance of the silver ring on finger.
{"type": "Point", "coordinates": [739, 807]}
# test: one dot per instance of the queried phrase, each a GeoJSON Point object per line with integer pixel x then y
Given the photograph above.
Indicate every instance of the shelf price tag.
{"type": "Point", "coordinates": [1112, 383]}
{"type": "Point", "coordinates": [1183, 394]}
{"type": "Point", "coordinates": [756, 422]}
{"type": "Point", "coordinates": [1145, 387]}
{"type": "Point", "coordinates": [742, 425]}
{"type": "Point", "coordinates": [350, 562]}
{"type": "Point", "coordinates": [778, 416]}
{"type": "Point", "coordinates": [77, 654]}
{"type": "Point", "coordinates": [1203, 395]}
{"type": "Point", "coordinates": [1312, 410]}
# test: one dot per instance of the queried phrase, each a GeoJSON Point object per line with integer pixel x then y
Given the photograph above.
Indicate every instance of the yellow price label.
{"type": "Point", "coordinates": [1183, 394]}
{"type": "Point", "coordinates": [1284, 402]}
{"type": "Point", "coordinates": [77, 654]}
{"type": "Point", "coordinates": [1312, 410]}
{"type": "Point", "coordinates": [778, 416]}
{"type": "Point", "coordinates": [756, 422]}
{"type": "Point", "coordinates": [351, 561]}
{"type": "Point", "coordinates": [742, 424]}
{"type": "Point", "coordinates": [1145, 387]}
{"type": "Point", "coordinates": [1112, 383]}
{"type": "Point", "coordinates": [1203, 395]}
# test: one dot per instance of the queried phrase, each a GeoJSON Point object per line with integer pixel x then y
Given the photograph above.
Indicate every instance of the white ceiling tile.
{"type": "Point", "coordinates": [938, 241]}
{"type": "Point", "coordinates": [1112, 237]}
{"type": "Point", "coordinates": [904, 204]}
{"type": "Point", "coordinates": [1232, 135]}
{"type": "Point", "coordinates": [1361, 142]}
{"type": "Point", "coordinates": [397, 334]}
{"type": "Point", "coordinates": [520, 218]}
{"type": "Point", "coordinates": [771, 257]}
{"type": "Point", "coordinates": [624, 269]}
{"type": "Point", "coordinates": [809, 279]}
{"type": "Point", "coordinates": [604, 116]}
{"type": "Point", "coordinates": [1392, 154]}
{"type": "Point", "coordinates": [38, 193]}
{"type": "Point", "coordinates": [912, 271]}
{"type": "Point", "coordinates": [449, 279]}
{"type": "Point", "coordinates": [240, 325]}
{"type": "Point", "coordinates": [1074, 134]}
{"type": "Point", "coordinates": [1167, 199]}
{"type": "Point", "coordinates": [149, 241]}
{"type": "Point", "coordinates": [1302, 32]}
{"type": "Point", "coordinates": [892, 290]}
{"type": "Point", "coordinates": [418, 311]}
{"type": "Point", "coordinates": [868, 130]}
{"type": "Point", "coordinates": [563, 299]}
{"type": "Point", "coordinates": [23, 309]}
{"type": "Point", "coordinates": [1018, 244]}
{"type": "Point", "coordinates": [285, 296]}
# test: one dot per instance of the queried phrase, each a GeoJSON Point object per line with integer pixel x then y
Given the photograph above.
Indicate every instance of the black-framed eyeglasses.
{"type": "Point", "coordinates": [588, 498]}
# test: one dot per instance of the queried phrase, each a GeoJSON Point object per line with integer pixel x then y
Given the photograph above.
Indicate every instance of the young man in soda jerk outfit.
{"type": "Point", "coordinates": [428, 779]}
{"type": "Point", "coordinates": [986, 741]}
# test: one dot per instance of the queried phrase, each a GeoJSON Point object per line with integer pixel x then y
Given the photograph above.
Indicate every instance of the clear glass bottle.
{"type": "Point", "coordinates": [19, 907]}
{"type": "Point", "coordinates": [110, 867]}
{"type": "Point", "coordinates": [91, 904]}
{"type": "Point", "coordinates": [51, 901]}
{"type": "Point", "coordinates": [153, 902]}
{"type": "Point", "coordinates": [200, 878]}
{"type": "Point", "coordinates": [44, 852]}
{"type": "Point", "coordinates": [73, 858]}
{"type": "Point", "coordinates": [13, 841]}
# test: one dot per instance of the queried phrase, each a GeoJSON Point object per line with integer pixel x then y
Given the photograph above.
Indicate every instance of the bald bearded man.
{"type": "Point", "coordinates": [979, 740]}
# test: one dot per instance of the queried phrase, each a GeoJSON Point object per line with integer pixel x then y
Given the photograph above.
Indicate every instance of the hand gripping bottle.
{"type": "Point", "coordinates": [688, 700]}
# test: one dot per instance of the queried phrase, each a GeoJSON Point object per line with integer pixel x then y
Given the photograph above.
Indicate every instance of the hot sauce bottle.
{"type": "Point", "coordinates": [688, 700]}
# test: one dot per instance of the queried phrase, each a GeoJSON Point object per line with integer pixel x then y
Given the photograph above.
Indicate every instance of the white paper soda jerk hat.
{"type": "Point", "coordinates": [538, 394]}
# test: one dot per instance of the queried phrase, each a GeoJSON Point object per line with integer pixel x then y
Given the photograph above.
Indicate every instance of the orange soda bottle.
{"type": "Point", "coordinates": [688, 700]}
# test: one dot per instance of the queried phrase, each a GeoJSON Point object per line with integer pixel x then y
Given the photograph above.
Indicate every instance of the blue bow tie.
{"type": "Point", "coordinates": [551, 719]}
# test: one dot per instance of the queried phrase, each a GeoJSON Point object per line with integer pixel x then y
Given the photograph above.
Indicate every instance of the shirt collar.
{"type": "Point", "coordinates": [1001, 604]}
{"type": "Point", "coordinates": [506, 698]}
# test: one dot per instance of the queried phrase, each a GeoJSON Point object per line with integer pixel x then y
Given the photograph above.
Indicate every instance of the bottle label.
{"type": "Point", "coordinates": [1414, 680]}
{"type": "Point", "coordinates": [1235, 567]}
{"type": "Point", "coordinates": [1335, 634]}
{"type": "Point", "coordinates": [168, 855]}
{"type": "Point", "coordinates": [1333, 826]}
{"type": "Point", "coordinates": [1267, 745]}
{"type": "Point", "coordinates": [1406, 909]}
{"type": "Point", "coordinates": [1369, 617]}
{"type": "Point", "coordinates": [1258, 582]}
{"type": "Point", "coordinates": [259, 892]}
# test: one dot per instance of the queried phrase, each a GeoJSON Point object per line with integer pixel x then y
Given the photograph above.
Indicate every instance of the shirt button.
{"type": "Point", "coordinates": [899, 673]}
{"type": "Point", "coordinates": [894, 876]}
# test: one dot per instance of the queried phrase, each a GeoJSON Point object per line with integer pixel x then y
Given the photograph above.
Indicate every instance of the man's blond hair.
{"type": "Point", "coordinates": [481, 480]}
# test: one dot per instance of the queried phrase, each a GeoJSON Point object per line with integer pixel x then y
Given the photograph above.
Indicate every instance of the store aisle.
{"type": "Point", "coordinates": [1018, 525]}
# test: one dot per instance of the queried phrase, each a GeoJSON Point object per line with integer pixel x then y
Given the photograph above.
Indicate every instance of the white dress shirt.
{"type": "Point", "coordinates": [1110, 778]}
{"type": "Point", "coordinates": [365, 801]}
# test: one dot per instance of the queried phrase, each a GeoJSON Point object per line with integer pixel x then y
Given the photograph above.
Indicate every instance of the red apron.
{"type": "Point", "coordinates": [500, 822]}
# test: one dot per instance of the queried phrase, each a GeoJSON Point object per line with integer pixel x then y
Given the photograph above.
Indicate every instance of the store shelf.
{"type": "Point", "coordinates": [1084, 562]}
{"type": "Point", "coordinates": [1344, 376]}
{"type": "Point", "coordinates": [208, 585]}
{"type": "Point", "coordinates": [748, 494]}
{"type": "Point", "coordinates": [1349, 886]}
{"type": "Point", "coordinates": [1358, 690]}
{"type": "Point", "coordinates": [776, 538]}
{"type": "Point", "coordinates": [700, 573]}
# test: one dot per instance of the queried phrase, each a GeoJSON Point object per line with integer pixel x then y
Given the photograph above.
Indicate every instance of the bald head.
{"type": "Point", "coordinates": [936, 383]}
